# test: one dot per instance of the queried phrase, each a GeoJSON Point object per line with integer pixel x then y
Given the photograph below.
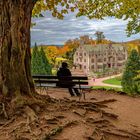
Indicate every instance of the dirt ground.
{"type": "Point", "coordinates": [104, 115]}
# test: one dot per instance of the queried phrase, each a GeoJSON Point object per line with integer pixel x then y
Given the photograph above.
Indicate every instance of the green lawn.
{"type": "Point", "coordinates": [113, 81]}
{"type": "Point", "coordinates": [107, 88]}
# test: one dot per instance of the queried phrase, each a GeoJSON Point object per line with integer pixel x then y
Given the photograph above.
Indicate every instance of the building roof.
{"type": "Point", "coordinates": [102, 47]}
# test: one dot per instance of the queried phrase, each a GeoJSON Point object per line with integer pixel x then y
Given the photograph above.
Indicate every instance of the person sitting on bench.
{"type": "Point", "coordinates": [64, 72]}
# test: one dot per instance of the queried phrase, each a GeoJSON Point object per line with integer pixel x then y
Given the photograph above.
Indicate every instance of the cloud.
{"type": "Point", "coordinates": [49, 30]}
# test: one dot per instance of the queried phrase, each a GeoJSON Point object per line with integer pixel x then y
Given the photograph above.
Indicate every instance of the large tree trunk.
{"type": "Point", "coordinates": [15, 57]}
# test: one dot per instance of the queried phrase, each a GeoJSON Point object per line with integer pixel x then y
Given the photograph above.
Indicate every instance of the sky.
{"type": "Point", "coordinates": [49, 30]}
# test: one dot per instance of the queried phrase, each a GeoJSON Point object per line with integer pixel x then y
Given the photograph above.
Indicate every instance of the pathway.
{"type": "Point", "coordinates": [99, 82]}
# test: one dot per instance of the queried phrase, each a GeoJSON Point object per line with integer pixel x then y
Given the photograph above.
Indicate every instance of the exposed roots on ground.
{"type": "Point", "coordinates": [45, 118]}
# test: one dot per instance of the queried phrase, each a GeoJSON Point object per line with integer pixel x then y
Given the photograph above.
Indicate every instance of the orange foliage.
{"type": "Point", "coordinates": [63, 50]}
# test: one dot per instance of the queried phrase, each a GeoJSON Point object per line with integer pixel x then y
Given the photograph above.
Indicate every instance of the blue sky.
{"type": "Point", "coordinates": [49, 30]}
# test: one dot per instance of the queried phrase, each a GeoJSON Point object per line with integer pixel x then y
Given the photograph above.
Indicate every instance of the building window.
{"type": "Point", "coordinates": [119, 58]}
{"type": "Point", "coordinates": [104, 59]}
{"type": "Point", "coordinates": [92, 66]}
{"type": "Point", "coordinates": [99, 66]}
{"type": "Point", "coordinates": [77, 59]}
{"type": "Point", "coordinates": [99, 60]}
{"type": "Point", "coordinates": [76, 53]}
{"type": "Point", "coordinates": [80, 54]}
{"type": "Point", "coordinates": [119, 65]}
{"type": "Point", "coordinates": [84, 60]}
{"type": "Point", "coordinates": [92, 60]}
{"type": "Point", "coordinates": [84, 54]}
{"type": "Point", "coordinates": [84, 67]}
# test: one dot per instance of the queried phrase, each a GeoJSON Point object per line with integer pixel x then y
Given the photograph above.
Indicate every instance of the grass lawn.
{"type": "Point", "coordinates": [107, 88]}
{"type": "Point", "coordinates": [113, 81]}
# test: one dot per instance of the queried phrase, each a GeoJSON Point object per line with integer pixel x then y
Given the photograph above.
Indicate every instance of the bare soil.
{"type": "Point", "coordinates": [104, 115]}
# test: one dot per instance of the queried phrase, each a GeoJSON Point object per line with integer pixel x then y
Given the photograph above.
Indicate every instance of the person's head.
{"type": "Point", "coordinates": [64, 65]}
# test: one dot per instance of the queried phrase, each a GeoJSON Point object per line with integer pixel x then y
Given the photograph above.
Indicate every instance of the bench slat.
{"type": "Point", "coordinates": [55, 77]}
{"type": "Point", "coordinates": [64, 82]}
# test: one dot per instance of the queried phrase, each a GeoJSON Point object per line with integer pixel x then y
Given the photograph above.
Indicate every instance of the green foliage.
{"type": "Point", "coordinates": [97, 9]}
{"type": "Point", "coordinates": [138, 49]}
{"type": "Point", "coordinates": [69, 55]}
{"type": "Point", "coordinates": [113, 81]}
{"type": "Point", "coordinates": [39, 61]}
{"type": "Point", "coordinates": [130, 72]}
{"type": "Point", "coordinates": [118, 78]}
{"type": "Point", "coordinates": [137, 82]}
{"type": "Point", "coordinates": [45, 66]}
{"type": "Point", "coordinates": [106, 88]}
{"type": "Point", "coordinates": [99, 36]}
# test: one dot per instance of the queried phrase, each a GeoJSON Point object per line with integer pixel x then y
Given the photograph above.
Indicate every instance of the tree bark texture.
{"type": "Point", "coordinates": [15, 57]}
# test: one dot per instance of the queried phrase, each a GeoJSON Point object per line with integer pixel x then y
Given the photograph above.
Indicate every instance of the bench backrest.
{"type": "Point", "coordinates": [77, 80]}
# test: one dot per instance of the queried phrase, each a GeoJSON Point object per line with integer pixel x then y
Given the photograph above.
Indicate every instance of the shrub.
{"type": "Point", "coordinates": [119, 78]}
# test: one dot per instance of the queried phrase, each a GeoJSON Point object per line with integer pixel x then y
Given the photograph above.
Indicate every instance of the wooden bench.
{"type": "Point", "coordinates": [46, 81]}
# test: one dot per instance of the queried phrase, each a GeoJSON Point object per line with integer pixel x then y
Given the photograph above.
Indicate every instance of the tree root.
{"type": "Point", "coordinates": [59, 129]}
{"type": "Point", "coordinates": [116, 134]}
{"type": "Point", "coordinates": [106, 101]}
{"type": "Point", "coordinates": [31, 115]}
{"type": "Point", "coordinates": [53, 132]}
{"type": "Point", "coordinates": [7, 123]}
{"type": "Point", "coordinates": [130, 133]}
{"type": "Point", "coordinates": [3, 111]}
{"type": "Point", "coordinates": [114, 116]}
{"type": "Point", "coordinates": [32, 119]}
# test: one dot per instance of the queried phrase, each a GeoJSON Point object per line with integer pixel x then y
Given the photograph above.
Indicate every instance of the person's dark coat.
{"type": "Point", "coordinates": [62, 73]}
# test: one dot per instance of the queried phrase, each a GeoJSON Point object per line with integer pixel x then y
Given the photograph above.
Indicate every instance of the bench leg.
{"type": "Point", "coordinates": [45, 89]}
{"type": "Point", "coordinates": [82, 94]}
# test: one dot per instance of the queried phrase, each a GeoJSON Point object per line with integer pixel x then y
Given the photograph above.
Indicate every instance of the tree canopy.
{"type": "Point", "coordinates": [98, 9]}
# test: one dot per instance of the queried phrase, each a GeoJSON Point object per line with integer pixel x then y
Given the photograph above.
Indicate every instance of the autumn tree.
{"type": "Point", "coordinates": [15, 22]}
{"type": "Point", "coordinates": [52, 53]}
{"type": "Point", "coordinates": [138, 49]}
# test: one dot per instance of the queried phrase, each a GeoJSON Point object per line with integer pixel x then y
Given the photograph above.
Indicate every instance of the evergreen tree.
{"type": "Point", "coordinates": [40, 64]}
{"type": "Point", "coordinates": [45, 66]}
{"type": "Point", "coordinates": [35, 61]}
{"type": "Point", "coordinates": [137, 83]}
{"type": "Point", "coordinates": [131, 71]}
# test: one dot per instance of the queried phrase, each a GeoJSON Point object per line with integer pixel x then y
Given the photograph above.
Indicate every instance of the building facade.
{"type": "Point", "coordinates": [100, 57]}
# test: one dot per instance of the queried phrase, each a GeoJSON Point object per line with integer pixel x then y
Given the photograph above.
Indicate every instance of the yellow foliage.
{"type": "Point", "coordinates": [132, 46]}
